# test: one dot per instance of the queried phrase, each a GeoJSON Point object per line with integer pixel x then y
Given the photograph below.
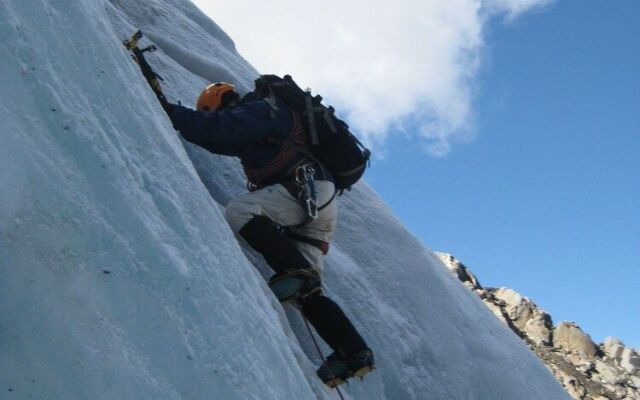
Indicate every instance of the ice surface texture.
{"type": "Point", "coordinates": [119, 278]}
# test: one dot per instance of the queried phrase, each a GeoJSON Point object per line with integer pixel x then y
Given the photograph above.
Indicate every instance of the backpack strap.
{"type": "Point", "coordinates": [273, 106]}
{"type": "Point", "coordinates": [310, 111]}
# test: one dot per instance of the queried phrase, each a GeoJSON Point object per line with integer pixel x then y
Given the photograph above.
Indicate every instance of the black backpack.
{"type": "Point", "coordinates": [329, 140]}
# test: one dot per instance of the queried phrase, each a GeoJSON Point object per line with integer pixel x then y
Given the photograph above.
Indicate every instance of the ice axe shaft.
{"type": "Point", "coordinates": [137, 54]}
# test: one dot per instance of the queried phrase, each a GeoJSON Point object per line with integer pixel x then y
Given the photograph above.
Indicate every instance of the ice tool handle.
{"type": "Point", "coordinates": [138, 56]}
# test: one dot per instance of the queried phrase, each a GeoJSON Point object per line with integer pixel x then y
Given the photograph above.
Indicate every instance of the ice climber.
{"type": "Point", "coordinates": [271, 217]}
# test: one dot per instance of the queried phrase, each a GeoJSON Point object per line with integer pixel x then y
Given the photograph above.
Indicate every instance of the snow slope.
{"type": "Point", "coordinates": [119, 278]}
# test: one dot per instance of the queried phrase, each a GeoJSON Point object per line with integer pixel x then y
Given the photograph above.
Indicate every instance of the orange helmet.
{"type": "Point", "coordinates": [216, 95]}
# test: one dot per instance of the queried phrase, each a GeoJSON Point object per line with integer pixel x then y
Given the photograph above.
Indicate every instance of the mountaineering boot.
{"type": "Point", "coordinates": [338, 368]}
{"type": "Point", "coordinates": [295, 284]}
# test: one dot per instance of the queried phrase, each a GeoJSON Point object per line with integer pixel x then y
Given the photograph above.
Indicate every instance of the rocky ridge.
{"type": "Point", "coordinates": [588, 371]}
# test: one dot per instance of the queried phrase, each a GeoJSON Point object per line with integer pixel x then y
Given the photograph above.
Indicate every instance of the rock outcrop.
{"type": "Point", "coordinates": [588, 371]}
{"type": "Point", "coordinates": [569, 337]}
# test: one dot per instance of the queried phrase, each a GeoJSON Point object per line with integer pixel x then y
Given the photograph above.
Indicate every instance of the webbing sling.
{"type": "Point", "coordinates": [320, 244]}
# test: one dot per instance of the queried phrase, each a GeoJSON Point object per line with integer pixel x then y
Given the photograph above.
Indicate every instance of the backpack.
{"type": "Point", "coordinates": [329, 140]}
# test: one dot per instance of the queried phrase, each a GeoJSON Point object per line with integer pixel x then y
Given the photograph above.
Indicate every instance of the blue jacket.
{"type": "Point", "coordinates": [241, 131]}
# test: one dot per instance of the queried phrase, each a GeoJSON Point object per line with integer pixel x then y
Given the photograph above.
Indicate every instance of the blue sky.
{"type": "Point", "coordinates": [546, 197]}
{"type": "Point", "coordinates": [507, 131]}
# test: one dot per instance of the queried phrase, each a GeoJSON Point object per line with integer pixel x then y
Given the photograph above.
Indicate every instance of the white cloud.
{"type": "Point", "coordinates": [388, 67]}
{"type": "Point", "coordinates": [513, 8]}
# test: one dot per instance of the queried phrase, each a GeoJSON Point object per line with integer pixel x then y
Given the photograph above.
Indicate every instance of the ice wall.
{"type": "Point", "coordinates": [119, 278]}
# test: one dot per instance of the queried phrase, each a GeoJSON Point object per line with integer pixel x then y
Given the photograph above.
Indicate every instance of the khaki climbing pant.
{"type": "Point", "coordinates": [277, 204]}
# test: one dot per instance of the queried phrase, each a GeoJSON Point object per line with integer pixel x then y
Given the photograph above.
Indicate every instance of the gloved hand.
{"type": "Point", "coordinates": [168, 108]}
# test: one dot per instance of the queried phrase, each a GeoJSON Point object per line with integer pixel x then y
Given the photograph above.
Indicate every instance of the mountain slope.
{"type": "Point", "coordinates": [587, 370]}
{"type": "Point", "coordinates": [119, 277]}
